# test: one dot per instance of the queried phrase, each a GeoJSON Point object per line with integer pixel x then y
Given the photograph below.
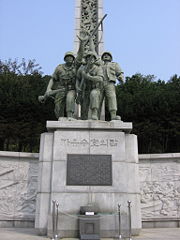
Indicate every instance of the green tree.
{"type": "Point", "coordinates": [152, 106]}
{"type": "Point", "coordinates": [22, 118]}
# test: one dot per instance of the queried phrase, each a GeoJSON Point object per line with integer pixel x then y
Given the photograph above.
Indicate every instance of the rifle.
{"type": "Point", "coordinates": [79, 94]}
{"type": "Point", "coordinates": [96, 29]}
{"type": "Point", "coordinates": [51, 93]}
{"type": "Point", "coordinates": [91, 35]}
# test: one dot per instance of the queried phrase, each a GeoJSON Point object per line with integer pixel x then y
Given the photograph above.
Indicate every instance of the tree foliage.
{"type": "Point", "coordinates": [152, 106]}
{"type": "Point", "coordinates": [22, 117]}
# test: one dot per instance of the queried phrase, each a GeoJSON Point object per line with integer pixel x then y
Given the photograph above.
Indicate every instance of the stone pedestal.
{"type": "Point", "coordinates": [113, 179]}
{"type": "Point", "coordinates": [89, 227]}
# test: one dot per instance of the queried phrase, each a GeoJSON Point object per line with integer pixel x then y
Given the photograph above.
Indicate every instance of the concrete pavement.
{"type": "Point", "coordinates": [146, 234]}
{"type": "Point", "coordinates": [159, 234]}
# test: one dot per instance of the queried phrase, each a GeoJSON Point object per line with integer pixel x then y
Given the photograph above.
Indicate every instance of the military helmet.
{"type": "Point", "coordinates": [69, 54]}
{"type": "Point", "coordinates": [91, 53]}
{"type": "Point", "coordinates": [108, 54]}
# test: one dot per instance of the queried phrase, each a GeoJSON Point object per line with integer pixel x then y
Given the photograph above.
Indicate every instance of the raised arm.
{"type": "Point", "coordinates": [84, 35]}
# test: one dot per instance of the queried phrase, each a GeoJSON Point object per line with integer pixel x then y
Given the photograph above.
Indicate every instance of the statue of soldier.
{"type": "Point", "coordinates": [90, 77]}
{"type": "Point", "coordinates": [63, 82]}
{"type": "Point", "coordinates": [111, 72]}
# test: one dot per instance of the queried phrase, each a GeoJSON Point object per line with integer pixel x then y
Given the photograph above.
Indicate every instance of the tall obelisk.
{"type": "Point", "coordinates": [87, 14]}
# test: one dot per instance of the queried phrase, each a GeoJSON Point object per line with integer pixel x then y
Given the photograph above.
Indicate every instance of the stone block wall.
{"type": "Point", "coordinates": [159, 184]}
{"type": "Point", "coordinates": [160, 189]}
{"type": "Point", "coordinates": [18, 188]}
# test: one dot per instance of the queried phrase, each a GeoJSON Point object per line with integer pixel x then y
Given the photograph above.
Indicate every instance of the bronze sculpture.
{"type": "Point", "coordinates": [63, 82]}
{"type": "Point", "coordinates": [92, 76]}
{"type": "Point", "coordinates": [86, 82]}
{"type": "Point", "coordinates": [111, 72]}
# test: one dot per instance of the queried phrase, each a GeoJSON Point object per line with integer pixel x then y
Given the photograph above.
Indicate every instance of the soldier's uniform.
{"type": "Point", "coordinates": [63, 81]}
{"type": "Point", "coordinates": [91, 89]}
{"type": "Point", "coordinates": [64, 78]}
{"type": "Point", "coordinates": [85, 92]}
{"type": "Point", "coordinates": [111, 71]}
{"type": "Point", "coordinates": [95, 73]}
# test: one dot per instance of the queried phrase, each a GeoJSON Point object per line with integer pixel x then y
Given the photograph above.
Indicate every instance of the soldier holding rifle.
{"type": "Point", "coordinates": [89, 81]}
{"type": "Point", "coordinates": [62, 83]}
{"type": "Point", "coordinates": [91, 75]}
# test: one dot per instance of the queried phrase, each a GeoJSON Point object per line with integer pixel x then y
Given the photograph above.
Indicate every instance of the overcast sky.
{"type": "Point", "coordinates": [143, 35]}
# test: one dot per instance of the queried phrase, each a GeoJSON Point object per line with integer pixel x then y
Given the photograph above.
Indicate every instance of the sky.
{"type": "Point", "coordinates": [142, 35]}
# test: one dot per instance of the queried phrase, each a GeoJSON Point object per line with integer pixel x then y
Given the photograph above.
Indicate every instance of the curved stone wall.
{"type": "Point", "coordinates": [159, 184]}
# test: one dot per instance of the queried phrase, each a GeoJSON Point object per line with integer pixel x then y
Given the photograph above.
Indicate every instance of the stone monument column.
{"type": "Point", "coordinates": [87, 14]}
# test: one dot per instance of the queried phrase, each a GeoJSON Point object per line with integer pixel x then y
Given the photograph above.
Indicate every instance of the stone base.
{"type": "Point", "coordinates": [108, 226]}
{"type": "Point", "coordinates": [64, 123]}
{"type": "Point", "coordinates": [161, 223]}
{"type": "Point", "coordinates": [17, 223]}
{"type": "Point", "coordinates": [88, 138]}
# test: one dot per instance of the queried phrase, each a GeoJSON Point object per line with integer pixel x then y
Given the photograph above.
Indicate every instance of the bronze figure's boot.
{"type": "Point", "coordinates": [114, 116]}
{"type": "Point", "coordinates": [69, 114]}
{"type": "Point", "coordinates": [94, 115]}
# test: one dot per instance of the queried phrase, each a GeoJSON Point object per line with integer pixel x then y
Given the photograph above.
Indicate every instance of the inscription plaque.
{"type": "Point", "coordinates": [85, 169]}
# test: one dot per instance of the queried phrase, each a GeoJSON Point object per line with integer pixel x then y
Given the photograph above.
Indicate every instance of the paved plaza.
{"type": "Point", "coordinates": [146, 234]}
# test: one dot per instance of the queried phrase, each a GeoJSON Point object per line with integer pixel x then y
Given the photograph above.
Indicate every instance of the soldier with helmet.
{"type": "Point", "coordinates": [90, 77]}
{"type": "Point", "coordinates": [111, 72]}
{"type": "Point", "coordinates": [63, 81]}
